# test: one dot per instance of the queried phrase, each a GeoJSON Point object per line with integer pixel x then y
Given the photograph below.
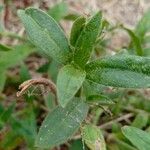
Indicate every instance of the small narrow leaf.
{"type": "Point", "coordinates": [69, 81]}
{"type": "Point", "coordinates": [135, 41]}
{"type": "Point", "coordinates": [67, 120]}
{"type": "Point", "coordinates": [125, 71]}
{"type": "Point", "coordinates": [86, 40]}
{"type": "Point", "coordinates": [76, 30]}
{"type": "Point", "coordinates": [143, 25]}
{"type": "Point", "coordinates": [100, 99]}
{"type": "Point", "coordinates": [140, 120]}
{"type": "Point", "coordinates": [71, 16]}
{"type": "Point", "coordinates": [138, 138]}
{"type": "Point", "coordinates": [45, 33]}
{"type": "Point", "coordinates": [93, 137]}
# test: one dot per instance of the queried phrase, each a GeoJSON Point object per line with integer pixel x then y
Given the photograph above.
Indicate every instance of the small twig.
{"type": "Point", "coordinates": [124, 117]}
{"type": "Point", "coordinates": [27, 84]}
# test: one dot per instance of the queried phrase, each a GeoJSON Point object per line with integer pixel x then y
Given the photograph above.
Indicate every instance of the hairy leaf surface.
{"type": "Point", "coordinates": [61, 124]}
{"type": "Point", "coordinates": [86, 40]}
{"type": "Point", "coordinates": [45, 33]}
{"type": "Point", "coordinates": [125, 71]}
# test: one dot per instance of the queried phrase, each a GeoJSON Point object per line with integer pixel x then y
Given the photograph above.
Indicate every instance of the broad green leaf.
{"type": "Point", "coordinates": [135, 41]}
{"type": "Point", "coordinates": [77, 28]}
{"type": "Point", "coordinates": [143, 25]}
{"type": "Point", "coordinates": [58, 11]}
{"type": "Point", "coordinates": [138, 138]}
{"type": "Point", "coordinates": [93, 137]}
{"type": "Point", "coordinates": [125, 71]}
{"type": "Point", "coordinates": [69, 81]}
{"type": "Point", "coordinates": [45, 33]}
{"type": "Point", "coordinates": [87, 39]}
{"type": "Point", "coordinates": [61, 124]}
{"type": "Point", "coordinates": [4, 48]}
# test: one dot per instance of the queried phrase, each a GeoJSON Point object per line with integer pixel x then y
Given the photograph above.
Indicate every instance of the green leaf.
{"type": "Point", "coordinates": [76, 145]}
{"type": "Point", "coordinates": [100, 99]}
{"type": "Point", "coordinates": [15, 56]}
{"type": "Point", "coordinates": [136, 42]}
{"type": "Point", "coordinates": [4, 48]}
{"type": "Point", "coordinates": [86, 40]}
{"type": "Point", "coordinates": [143, 25]}
{"type": "Point", "coordinates": [140, 120]}
{"type": "Point", "coordinates": [125, 71]}
{"type": "Point", "coordinates": [10, 58]}
{"type": "Point", "coordinates": [69, 81]}
{"type": "Point", "coordinates": [26, 127]}
{"type": "Point", "coordinates": [77, 28]}
{"type": "Point", "coordinates": [2, 79]}
{"type": "Point", "coordinates": [65, 120]}
{"type": "Point", "coordinates": [45, 33]}
{"type": "Point", "coordinates": [24, 73]}
{"type": "Point", "coordinates": [7, 113]}
{"type": "Point", "coordinates": [59, 11]}
{"type": "Point", "coordinates": [93, 137]}
{"type": "Point", "coordinates": [138, 138]}
{"type": "Point", "coordinates": [10, 140]}
{"type": "Point", "coordinates": [71, 16]}
{"type": "Point", "coordinates": [123, 145]}
{"type": "Point", "coordinates": [92, 88]}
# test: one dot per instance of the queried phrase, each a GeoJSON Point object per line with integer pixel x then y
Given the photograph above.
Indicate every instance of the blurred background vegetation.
{"type": "Point", "coordinates": [126, 29]}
